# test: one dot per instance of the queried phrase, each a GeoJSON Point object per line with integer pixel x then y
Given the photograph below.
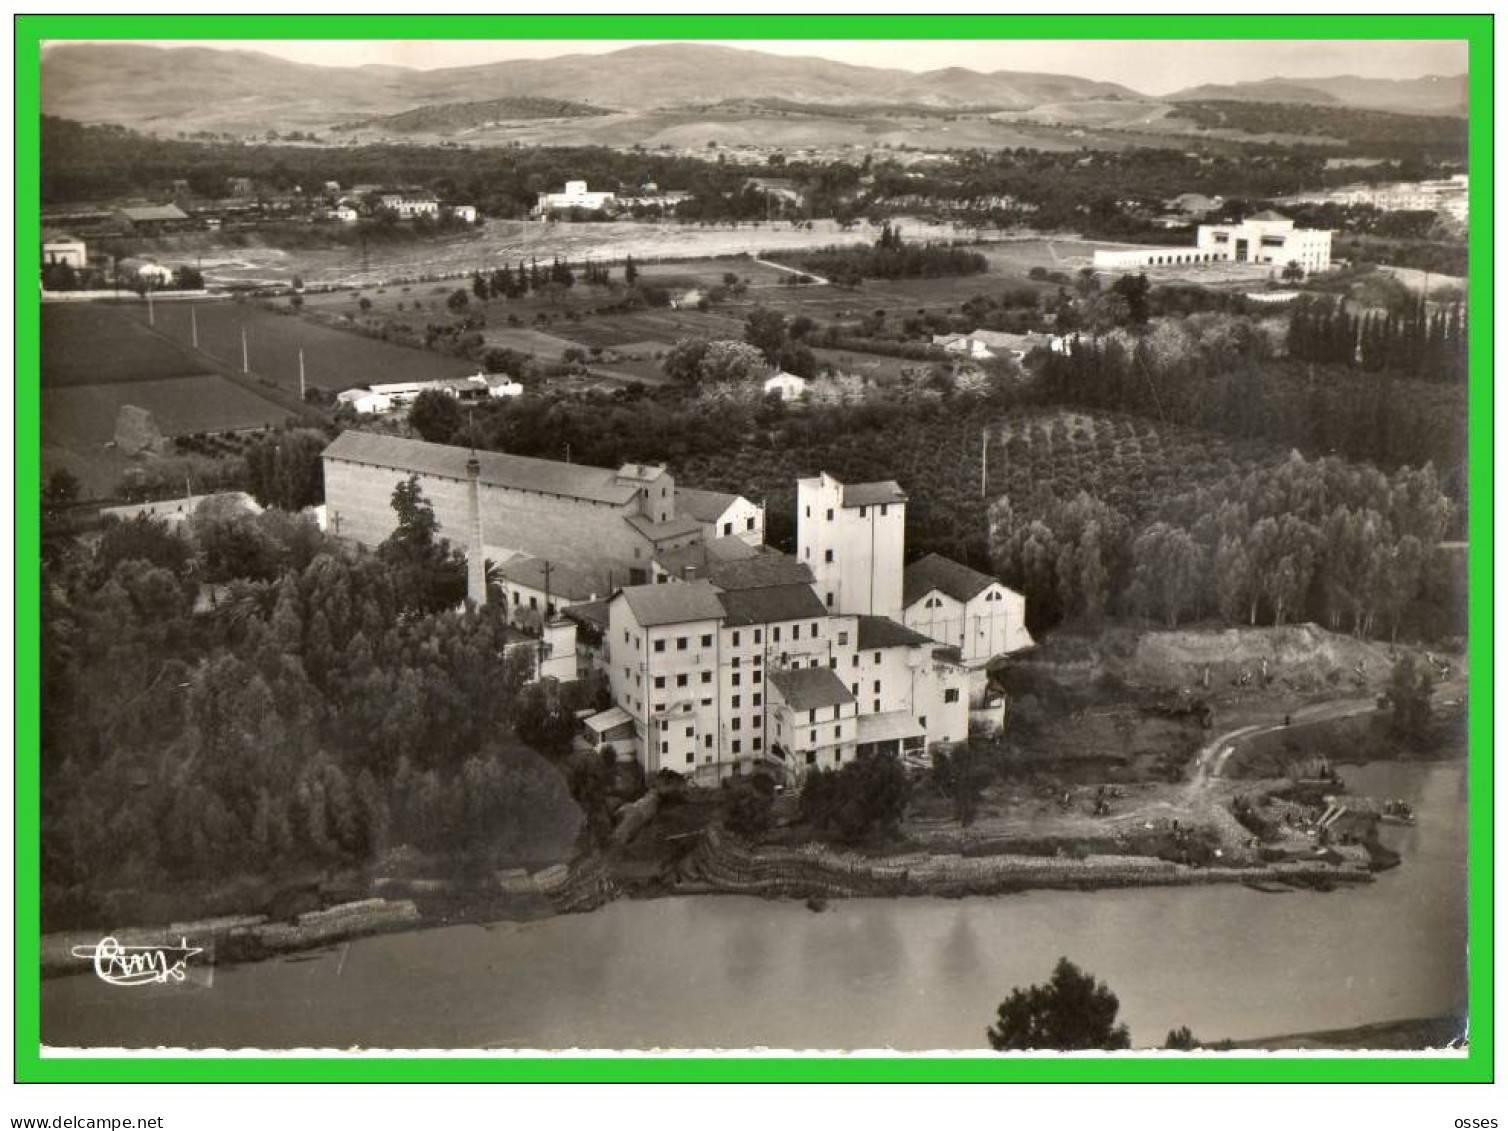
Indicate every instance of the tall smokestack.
{"type": "Point", "coordinates": [476, 564]}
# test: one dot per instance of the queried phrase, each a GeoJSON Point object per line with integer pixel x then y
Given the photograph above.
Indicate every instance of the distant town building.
{"type": "Point", "coordinates": [64, 250]}
{"type": "Point", "coordinates": [1448, 196]}
{"type": "Point", "coordinates": [789, 386]}
{"type": "Point", "coordinates": [576, 196]}
{"type": "Point", "coordinates": [365, 401]}
{"type": "Point", "coordinates": [143, 270]}
{"type": "Point", "coordinates": [986, 345]}
{"type": "Point", "coordinates": [1265, 238]}
{"type": "Point", "coordinates": [464, 212]}
{"type": "Point", "coordinates": [345, 214]}
{"type": "Point", "coordinates": [149, 219]}
{"type": "Point", "coordinates": [1194, 204]}
{"type": "Point", "coordinates": [409, 204]}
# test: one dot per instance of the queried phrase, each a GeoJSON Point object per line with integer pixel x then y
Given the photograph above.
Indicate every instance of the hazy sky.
{"type": "Point", "coordinates": [1151, 66]}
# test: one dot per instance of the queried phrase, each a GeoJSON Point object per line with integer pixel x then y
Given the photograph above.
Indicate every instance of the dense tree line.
{"type": "Point", "coordinates": [1417, 341]}
{"type": "Point", "coordinates": [890, 257]}
{"type": "Point", "coordinates": [245, 698]}
{"type": "Point", "coordinates": [1339, 544]}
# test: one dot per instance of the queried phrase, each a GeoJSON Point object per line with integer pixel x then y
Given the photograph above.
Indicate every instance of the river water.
{"type": "Point", "coordinates": [735, 972]}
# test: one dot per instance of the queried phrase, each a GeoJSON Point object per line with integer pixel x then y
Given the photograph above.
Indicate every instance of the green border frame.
{"type": "Point", "coordinates": [30, 1067]}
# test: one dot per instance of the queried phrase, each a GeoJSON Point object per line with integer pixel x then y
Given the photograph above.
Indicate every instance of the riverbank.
{"type": "Point", "coordinates": [724, 865]}
{"type": "Point", "coordinates": [718, 864]}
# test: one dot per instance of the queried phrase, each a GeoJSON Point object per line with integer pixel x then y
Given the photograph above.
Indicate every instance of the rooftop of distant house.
{"type": "Point", "coordinates": [148, 212]}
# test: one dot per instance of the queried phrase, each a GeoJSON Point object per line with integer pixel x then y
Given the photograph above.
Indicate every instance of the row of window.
{"type": "Point", "coordinates": [863, 511]}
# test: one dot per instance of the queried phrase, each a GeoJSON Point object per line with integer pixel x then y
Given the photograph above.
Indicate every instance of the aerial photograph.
{"type": "Point", "coordinates": [810, 545]}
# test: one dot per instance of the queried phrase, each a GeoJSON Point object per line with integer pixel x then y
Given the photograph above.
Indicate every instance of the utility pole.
{"type": "Point", "coordinates": [151, 311]}
{"type": "Point", "coordinates": [301, 393]}
{"type": "Point", "coordinates": [545, 621]}
{"type": "Point", "coordinates": [194, 324]}
{"type": "Point", "coordinates": [245, 357]}
{"type": "Point", "coordinates": [984, 462]}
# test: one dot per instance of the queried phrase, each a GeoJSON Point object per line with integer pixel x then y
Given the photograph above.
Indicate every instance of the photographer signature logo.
{"type": "Point", "coordinates": [138, 965]}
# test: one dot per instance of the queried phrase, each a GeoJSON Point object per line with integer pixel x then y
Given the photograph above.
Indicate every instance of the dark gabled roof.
{"type": "Point", "coordinates": [564, 581]}
{"type": "Point", "coordinates": [937, 572]}
{"type": "Point", "coordinates": [882, 632]}
{"type": "Point", "coordinates": [678, 527]}
{"type": "Point", "coordinates": [806, 689]}
{"type": "Point", "coordinates": [872, 494]}
{"type": "Point", "coordinates": [703, 556]}
{"type": "Point", "coordinates": [766, 569]}
{"type": "Point", "coordinates": [590, 614]}
{"type": "Point", "coordinates": [673, 602]}
{"type": "Point", "coordinates": [707, 506]}
{"type": "Point", "coordinates": [522, 473]}
{"type": "Point", "coordinates": [771, 604]}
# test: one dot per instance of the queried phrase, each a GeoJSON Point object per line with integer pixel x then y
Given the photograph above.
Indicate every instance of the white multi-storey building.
{"type": "Point", "coordinates": [968, 610]}
{"type": "Point", "coordinates": [765, 661]}
{"type": "Point", "coordinates": [853, 537]}
{"type": "Point", "coordinates": [575, 197]}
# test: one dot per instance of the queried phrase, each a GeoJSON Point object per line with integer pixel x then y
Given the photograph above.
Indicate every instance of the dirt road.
{"type": "Point", "coordinates": [1214, 755]}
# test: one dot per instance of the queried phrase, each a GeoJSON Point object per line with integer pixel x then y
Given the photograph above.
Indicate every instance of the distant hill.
{"type": "Point", "coordinates": [188, 88]}
{"type": "Point", "coordinates": [247, 93]}
{"type": "Point", "coordinates": [1432, 94]}
{"type": "Point", "coordinates": [449, 117]}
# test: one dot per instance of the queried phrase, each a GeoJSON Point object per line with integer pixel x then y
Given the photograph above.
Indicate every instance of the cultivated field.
{"type": "Point", "coordinates": [1128, 461]}
{"type": "Point", "coordinates": [84, 415]}
{"type": "Point", "coordinates": [95, 343]}
{"type": "Point", "coordinates": [333, 359]}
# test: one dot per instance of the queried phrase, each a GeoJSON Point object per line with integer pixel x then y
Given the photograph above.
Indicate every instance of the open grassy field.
{"type": "Point", "coordinates": [84, 415]}
{"type": "Point", "coordinates": [333, 359]}
{"type": "Point", "coordinates": [78, 421]}
{"type": "Point", "coordinates": [504, 243]}
{"type": "Point", "coordinates": [97, 343]}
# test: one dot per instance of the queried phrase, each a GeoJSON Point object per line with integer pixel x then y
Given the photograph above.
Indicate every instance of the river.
{"type": "Point", "coordinates": [718, 972]}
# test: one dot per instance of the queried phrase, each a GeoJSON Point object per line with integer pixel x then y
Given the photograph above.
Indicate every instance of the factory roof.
{"type": "Point", "coordinates": [708, 506]}
{"type": "Point", "coordinates": [806, 689]}
{"type": "Point", "coordinates": [498, 469]}
{"type": "Point", "coordinates": [571, 584]}
{"type": "Point", "coordinates": [872, 494]}
{"type": "Point", "coordinates": [677, 527]}
{"type": "Point", "coordinates": [944, 574]}
{"type": "Point", "coordinates": [764, 569]}
{"type": "Point", "coordinates": [771, 605]}
{"type": "Point", "coordinates": [703, 557]}
{"type": "Point", "coordinates": [674, 602]}
{"type": "Point", "coordinates": [882, 632]}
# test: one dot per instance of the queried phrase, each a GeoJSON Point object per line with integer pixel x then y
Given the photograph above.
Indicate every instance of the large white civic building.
{"type": "Point", "coordinates": [1266, 238]}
